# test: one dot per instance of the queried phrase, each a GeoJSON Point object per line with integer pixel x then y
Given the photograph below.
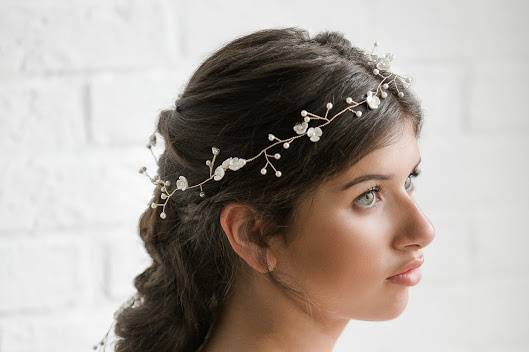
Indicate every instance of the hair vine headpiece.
{"type": "Point", "coordinates": [379, 63]}
{"type": "Point", "coordinates": [133, 301]}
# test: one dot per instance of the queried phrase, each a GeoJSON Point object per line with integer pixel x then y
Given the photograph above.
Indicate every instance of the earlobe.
{"type": "Point", "coordinates": [235, 219]}
{"type": "Point", "coordinates": [270, 260]}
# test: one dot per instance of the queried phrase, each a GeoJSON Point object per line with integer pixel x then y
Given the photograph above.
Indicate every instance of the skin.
{"type": "Point", "coordinates": [342, 253]}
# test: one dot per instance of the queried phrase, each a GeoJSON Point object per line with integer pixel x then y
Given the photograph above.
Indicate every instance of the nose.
{"type": "Point", "coordinates": [417, 229]}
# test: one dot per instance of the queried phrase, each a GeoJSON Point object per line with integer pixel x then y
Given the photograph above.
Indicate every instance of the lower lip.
{"type": "Point", "coordinates": [409, 278]}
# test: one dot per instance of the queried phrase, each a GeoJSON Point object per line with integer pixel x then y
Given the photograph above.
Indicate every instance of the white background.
{"type": "Point", "coordinates": [81, 83]}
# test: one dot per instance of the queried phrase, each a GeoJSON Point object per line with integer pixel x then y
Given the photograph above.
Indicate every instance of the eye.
{"type": "Point", "coordinates": [368, 199]}
{"type": "Point", "coordinates": [410, 186]}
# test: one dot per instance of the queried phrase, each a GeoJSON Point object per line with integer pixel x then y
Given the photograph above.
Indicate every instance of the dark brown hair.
{"type": "Point", "coordinates": [254, 85]}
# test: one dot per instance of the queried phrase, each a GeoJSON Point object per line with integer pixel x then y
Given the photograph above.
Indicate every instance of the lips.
{"type": "Point", "coordinates": [415, 263]}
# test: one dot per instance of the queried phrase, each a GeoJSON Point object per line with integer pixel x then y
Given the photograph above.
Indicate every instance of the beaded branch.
{"type": "Point", "coordinates": [132, 301]}
{"type": "Point", "coordinates": [302, 129]}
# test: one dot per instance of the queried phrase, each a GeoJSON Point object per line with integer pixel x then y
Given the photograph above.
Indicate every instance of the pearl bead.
{"type": "Point", "coordinates": [286, 145]}
{"type": "Point", "coordinates": [163, 215]}
{"type": "Point", "coordinates": [401, 94]}
{"type": "Point", "coordinates": [303, 113]}
{"type": "Point", "coordinates": [306, 119]}
{"type": "Point", "coordinates": [384, 94]}
{"type": "Point", "coordinates": [329, 106]}
{"type": "Point", "coordinates": [153, 205]}
{"type": "Point", "coordinates": [349, 100]}
{"type": "Point", "coordinates": [263, 171]}
{"type": "Point", "coordinates": [409, 79]}
{"type": "Point", "coordinates": [277, 155]}
{"type": "Point", "coordinates": [375, 71]}
{"type": "Point", "coordinates": [385, 86]}
{"type": "Point", "coordinates": [167, 183]}
{"type": "Point", "coordinates": [163, 196]}
{"type": "Point", "coordinates": [208, 162]}
{"type": "Point", "coordinates": [202, 194]}
{"type": "Point", "coordinates": [358, 113]}
{"type": "Point", "coordinates": [271, 136]}
{"type": "Point", "coordinates": [278, 173]}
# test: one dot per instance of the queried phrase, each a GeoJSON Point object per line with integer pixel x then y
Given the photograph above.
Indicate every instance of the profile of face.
{"type": "Point", "coordinates": [349, 241]}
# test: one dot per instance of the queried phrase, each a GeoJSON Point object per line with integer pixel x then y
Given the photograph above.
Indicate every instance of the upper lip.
{"type": "Point", "coordinates": [415, 263]}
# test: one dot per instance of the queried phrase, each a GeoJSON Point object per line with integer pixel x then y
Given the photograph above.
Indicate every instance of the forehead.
{"type": "Point", "coordinates": [398, 157]}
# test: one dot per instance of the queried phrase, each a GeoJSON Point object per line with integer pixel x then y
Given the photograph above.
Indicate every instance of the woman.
{"type": "Point", "coordinates": [279, 251]}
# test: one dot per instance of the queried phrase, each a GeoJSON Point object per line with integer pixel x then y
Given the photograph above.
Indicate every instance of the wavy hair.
{"type": "Point", "coordinates": [254, 85]}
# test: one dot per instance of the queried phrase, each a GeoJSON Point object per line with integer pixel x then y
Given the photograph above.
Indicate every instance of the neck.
{"type": "Point", "coordinates": [259, 316]}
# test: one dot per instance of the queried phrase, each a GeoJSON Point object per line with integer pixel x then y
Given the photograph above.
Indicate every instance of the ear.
{"type": "Point", "coordinates": [233, 218]}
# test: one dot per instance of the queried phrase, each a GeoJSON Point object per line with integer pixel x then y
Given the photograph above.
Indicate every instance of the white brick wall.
{"type": "Point", "coordinates": [72, 74]}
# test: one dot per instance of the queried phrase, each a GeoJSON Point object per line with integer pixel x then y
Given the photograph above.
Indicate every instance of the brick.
{"type": "Point", "coordinates": [41, 114]}
{"type": "Point", "coordinates": [494, 102]}
{"type": "Point", "coordinates": [125, 258]}
{"type": "Point", "coordinates": [76, 330]}
{"type": "Point", "coordinates": [464, 171]}
{"type": "Point", "coordinates": [448, 31]}
{"type": "Point", "coordinates": [61, 36]}
{"type": "Point", "coordinates": [200, 40]}
{"type": "Point", "coordinates": [501, 238]}
{"type": "Point", "coordinates": [440, 90]}
{"type": "Point", "coordinates": [125, 107]}
{"type": "Point", "coordinates": [72, 189]}
{"type": "Point", "coordinates": [39, 274]}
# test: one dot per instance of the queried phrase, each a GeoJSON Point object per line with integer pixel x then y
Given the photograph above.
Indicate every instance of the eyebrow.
{"type": "Point", "coordinates": [368, 177]}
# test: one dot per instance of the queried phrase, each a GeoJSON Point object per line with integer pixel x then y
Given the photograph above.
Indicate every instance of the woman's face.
{"type": "Point", "coordinates": [349, 241]}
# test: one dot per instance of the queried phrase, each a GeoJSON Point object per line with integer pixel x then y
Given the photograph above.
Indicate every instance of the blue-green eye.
{"type": "Point", "coordinates": [368, 199]}
{"type": "Point", "coordinates": [411, 186]}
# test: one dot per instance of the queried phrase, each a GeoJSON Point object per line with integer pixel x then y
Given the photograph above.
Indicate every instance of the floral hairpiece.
{"type": "Point", "coordinates": [302, 129]}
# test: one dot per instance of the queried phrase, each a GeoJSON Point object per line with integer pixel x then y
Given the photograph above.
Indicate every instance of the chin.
{"type": "Point", "coordinates": [394, 306]}
{"type": "Point", "coordinates": [387, 308]}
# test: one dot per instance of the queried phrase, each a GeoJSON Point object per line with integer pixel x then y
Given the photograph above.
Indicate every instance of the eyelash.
{"type": "Point", "coordinates": [376, 188]}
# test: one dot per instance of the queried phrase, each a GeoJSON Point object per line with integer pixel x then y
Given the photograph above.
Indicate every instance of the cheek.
{"type": "Point", "coordinates": [340, 255]}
